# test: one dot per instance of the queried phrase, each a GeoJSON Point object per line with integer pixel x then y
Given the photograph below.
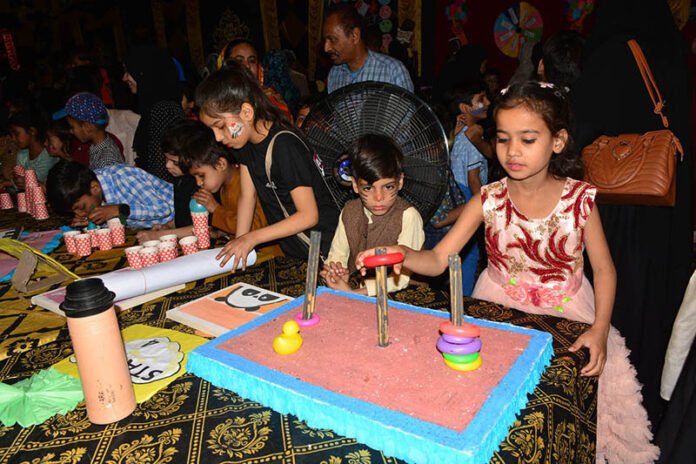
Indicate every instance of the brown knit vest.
{"type": "Point", "coordinates": [383, 231]}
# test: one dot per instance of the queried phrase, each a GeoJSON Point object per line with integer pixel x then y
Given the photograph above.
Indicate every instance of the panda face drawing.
{"type": "Point", "coordinates": [248, 299]}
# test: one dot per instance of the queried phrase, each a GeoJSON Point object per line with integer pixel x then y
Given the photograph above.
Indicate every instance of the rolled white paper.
{"type": "Point", "coordinates": [136, 282]}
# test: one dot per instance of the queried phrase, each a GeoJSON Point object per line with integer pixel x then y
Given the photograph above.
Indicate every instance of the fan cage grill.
{"type": "Point", "coordinates": [381, 108]}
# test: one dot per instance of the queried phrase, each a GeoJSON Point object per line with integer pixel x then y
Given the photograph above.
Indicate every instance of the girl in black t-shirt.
{"type": "Point", "coordinates": [295, 199]}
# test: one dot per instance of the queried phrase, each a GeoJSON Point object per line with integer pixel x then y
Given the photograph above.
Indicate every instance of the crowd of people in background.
{"type": "Point", "coordinates": [101, 153]}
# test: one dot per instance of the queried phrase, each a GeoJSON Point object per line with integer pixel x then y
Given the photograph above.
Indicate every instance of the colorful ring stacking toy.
{"type": "Point", "coordinates": [383, 260]}
{"type": "Point", "coordinates": [460, 346]}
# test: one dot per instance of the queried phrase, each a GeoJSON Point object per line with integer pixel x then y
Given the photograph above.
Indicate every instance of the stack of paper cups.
{"type": "Point", "coordinates": [199, 215]}
{"type": "Point", "coordinates": [104, 239]}
{"type": "Point", "coordinates": [30, 179]}
{"type": "Point", "coordinates": [6, 201]}
{"type": "Point", "coordinates": [200, 229]}
{"type": "Point", "coordinates": [22, 202]}
{"type": "Point", "coordinates": [37, 200]}
{"type": "Point", "coordinates": [69, 238]}
{"type": "Point", "coordinates": [40, 211]}
{"type": "Point", "coordinates": [118, 231]}
{"type": "Point", "coordinates": [133, 256]}
{"type": "Point", "coordinates": [93, 237]}
{"type": "Point", "coordinates": [83, 244]}
{"type": "Point", "coordinates": [35, 194]}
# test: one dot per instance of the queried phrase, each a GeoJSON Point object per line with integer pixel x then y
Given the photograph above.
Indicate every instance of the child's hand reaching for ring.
{"type": "Point", "coordinates": [336, 276]}
{"type": "Point", "coordinates": [359, 261]}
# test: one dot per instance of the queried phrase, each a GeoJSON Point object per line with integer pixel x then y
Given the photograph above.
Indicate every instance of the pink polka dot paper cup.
{"type": "Point", "coordinates": [30, 179]}
{"type": "Point", "coordinates": [36, 195]}
{"type": "Point", "coordinates": [114, 223]}
{"type": "Point", "coordinates": [151, 243]}
{"type": "Point", "coordinates": [19, 170]}
{"type": "Point", "coordinates": [167, 251]}
{"type": "Point", "coordinates": [69, 239]}
{"type": "Point", "coordinates": [104, 239]}
{"type": "Point", "coordinates": [171, 238]}
{"type": "Point", "coordinates": [203, 238]}
{"type": "Point", "coordinates": [149, 256]}
{"type": "Point", "coordinates": [189, 245]}
{"type": "Point", "coordinates": [118, 235]}
{"type": "Point", "coordinates": [200, 220]}
{"type": "Point", "coordinates": [83, 244]}
{"type": "Point", "coordinates": [118, 231]}
{"type": "Point", "coordinates": [22, 202]}
{"type": "Point", "coordinates": [133, 257]}
{"type": "Point", "coordinates": [40, 211]}
{"type": "Point", "coordinates": [6, 201]}
{"type": "Point", "coordinates": [93, 235]}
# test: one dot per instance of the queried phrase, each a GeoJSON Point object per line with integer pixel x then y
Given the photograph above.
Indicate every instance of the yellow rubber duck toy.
{"type": "Point", "coordinates": [290, 340]}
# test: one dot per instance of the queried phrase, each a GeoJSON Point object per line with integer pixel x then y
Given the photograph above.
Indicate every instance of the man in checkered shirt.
{"type": "Point", "coordinates": [353, 61]}
{"type": "Point", "coordinates": [119, 190]}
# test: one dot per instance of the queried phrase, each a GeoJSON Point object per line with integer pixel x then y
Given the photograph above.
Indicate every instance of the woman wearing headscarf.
{"type": "Point", "coordinates": [151, 74]}
{"type": "Point", "coordinates": [277, 76]}
{"type": "Point", "coordinates": [244, 51]}
{"type": "Point", "coordinates": [651, 246]}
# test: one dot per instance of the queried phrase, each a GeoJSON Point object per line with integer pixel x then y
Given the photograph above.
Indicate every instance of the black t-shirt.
{"type": "Point", "coordinates": [293, 166]}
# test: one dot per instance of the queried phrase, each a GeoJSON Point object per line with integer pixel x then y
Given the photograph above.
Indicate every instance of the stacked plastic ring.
{"type": "Point", "coordinates": [460, 346]}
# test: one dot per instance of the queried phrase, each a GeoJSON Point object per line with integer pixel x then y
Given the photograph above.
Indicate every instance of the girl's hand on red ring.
{"type": "Point", "coordinates": [388, 259]}
{"type": "Point", "coordinates": [359, 264]}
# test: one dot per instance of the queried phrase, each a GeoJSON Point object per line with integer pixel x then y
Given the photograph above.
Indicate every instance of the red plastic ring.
{"type": "Point", "coordinates": [383, 260]}
{"type": "Point", "coordinates": [464, 330]}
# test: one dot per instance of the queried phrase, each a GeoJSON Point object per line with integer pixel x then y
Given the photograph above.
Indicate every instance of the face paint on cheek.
{"type": "Point", "coordinates": [236, 129]}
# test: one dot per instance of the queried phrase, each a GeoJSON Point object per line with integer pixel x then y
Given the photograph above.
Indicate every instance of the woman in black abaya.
{"type": "Point", "coordinates": [651, 246]}
{"type": "Point", "coordinates": [151, 74]}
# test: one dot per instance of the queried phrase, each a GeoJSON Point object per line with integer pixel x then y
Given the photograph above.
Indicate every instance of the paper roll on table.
{"type": "Point", "coordinates": [136, 282]}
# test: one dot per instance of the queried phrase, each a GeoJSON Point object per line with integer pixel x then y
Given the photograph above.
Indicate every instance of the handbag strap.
{"type": "Point", "coordinates": [269, 162]}
{"type": "Point", "coordinates": [649, 80]}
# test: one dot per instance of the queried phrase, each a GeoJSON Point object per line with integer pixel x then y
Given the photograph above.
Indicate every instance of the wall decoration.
{"type": "Point", "coordinates": [457, 12]}
{"type": "Point", "coordinates": [228, 27]}
{"type": "Point", "coordinates": [409, 32]}
{"type": "Point", "coordinates": [517, 24]}
{"type": "Point", "coordinates": [576, 11]}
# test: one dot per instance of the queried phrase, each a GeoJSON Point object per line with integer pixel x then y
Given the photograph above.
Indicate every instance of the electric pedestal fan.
{"type": "Point", "coordinates": [380, 108]}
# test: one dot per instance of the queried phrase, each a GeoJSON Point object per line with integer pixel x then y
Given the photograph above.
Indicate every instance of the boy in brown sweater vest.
{"type": "Point", "coordinates": [378, 218]}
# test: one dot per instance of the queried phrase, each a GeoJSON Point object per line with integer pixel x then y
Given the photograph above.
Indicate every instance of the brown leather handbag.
{"type": "Point", "coordinates": [634, 168]}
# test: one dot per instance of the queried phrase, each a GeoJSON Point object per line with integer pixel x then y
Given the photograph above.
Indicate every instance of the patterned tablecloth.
{"type": "Point", "coordinates": [191, 421]}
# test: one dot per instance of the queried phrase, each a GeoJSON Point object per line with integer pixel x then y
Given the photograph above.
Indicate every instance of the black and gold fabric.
{"type": "Point", "coordinates": [192, 421]}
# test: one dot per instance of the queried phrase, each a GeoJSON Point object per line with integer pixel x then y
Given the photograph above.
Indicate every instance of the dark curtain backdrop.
{"type": "Point", "coordinates": [224, 21]}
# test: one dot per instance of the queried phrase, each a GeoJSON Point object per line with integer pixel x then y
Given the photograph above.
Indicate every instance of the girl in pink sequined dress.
{"type": "Point", "coordinates": [538, 220]}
